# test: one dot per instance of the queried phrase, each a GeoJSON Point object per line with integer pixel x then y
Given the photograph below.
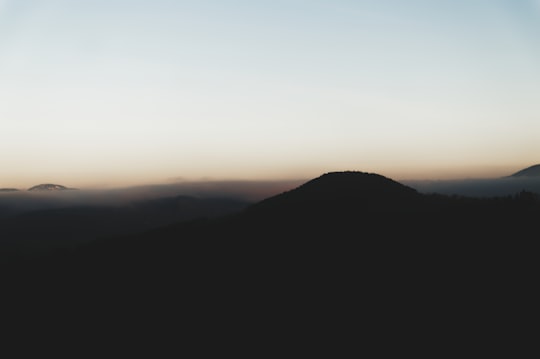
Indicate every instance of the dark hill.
{"type": "Point", "coordinates": [533, 171]}
{"type": "Point", "coordinates": [343, 191]}
{"type": "Point", "coordinates": [8, 190]}
{"type": "Point", "coordinates": [352, 186]}
{"type": "Point", "coordinates": [337, 204]}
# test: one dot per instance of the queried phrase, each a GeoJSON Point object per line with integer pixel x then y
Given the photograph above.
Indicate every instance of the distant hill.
{"type": "Point", "coordinates": [352, 185]}
{"type": "Point", "coordinates": [49, 187]}
{"type": "Point", "coordinates": [348, 186]}
{"type": "Point", "coordinates": [9, 190]}
{"type": "Point", "coordinates": [336, 197]}
{"type": "Point", "coordinates": [533, 171]}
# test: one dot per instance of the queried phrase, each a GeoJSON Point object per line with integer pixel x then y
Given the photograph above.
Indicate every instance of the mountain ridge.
{"type": "Point", "coordinates": [49, 187]}
{"type": "Point", "coordinates": [340, 244]}
{"type": "Point", "coordinates": [532, 171]}
{"type": "Point", "coordinates": [344, 191]}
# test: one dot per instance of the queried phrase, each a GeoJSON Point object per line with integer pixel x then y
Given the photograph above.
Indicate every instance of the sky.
{"type": "Point", "coordinates": [123, 92]}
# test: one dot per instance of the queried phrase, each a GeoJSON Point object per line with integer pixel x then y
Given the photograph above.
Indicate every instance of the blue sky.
{"type": "Point", "coordinates": [125, 92]}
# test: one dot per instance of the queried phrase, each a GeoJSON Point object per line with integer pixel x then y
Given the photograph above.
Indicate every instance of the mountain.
{"type": "Point", "coordinates": [533, 171]}
{"type": "Point", "coordinates": [49, 187]}
{"type": "Point", "coordinates": [9, 190]}
{"type": "Point", "coordinates": [344, 250]}
{"type": "Point", "coordinates": [359, 189]}
{"type": "Point", "coordinates": [352, 209]}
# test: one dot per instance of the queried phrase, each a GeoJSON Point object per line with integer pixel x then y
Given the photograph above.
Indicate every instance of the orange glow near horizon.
{"type": "Point", "coordinates": [121, 93]}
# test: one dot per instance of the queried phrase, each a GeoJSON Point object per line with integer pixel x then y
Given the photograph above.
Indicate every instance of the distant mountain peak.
{"type": "Point", "coordinates": [533, 171]}
{"type": "Point", "coordinates": [353, 180]}
{"type": "Point", "coordinates": [346, 191]}
{"type": "Point", "coordinates": [49, 187]}
{"type": "Point", "coordinates": [354, 184]}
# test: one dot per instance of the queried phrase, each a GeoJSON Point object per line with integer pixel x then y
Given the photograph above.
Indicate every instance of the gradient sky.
{"type": "Point", "coordinates": [121, 92]}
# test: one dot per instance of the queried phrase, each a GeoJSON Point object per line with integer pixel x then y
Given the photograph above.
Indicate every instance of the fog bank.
{"type": "Point", "coordinates": [490, 187]}
{"type": "Point", "coordinates": [249, 191]}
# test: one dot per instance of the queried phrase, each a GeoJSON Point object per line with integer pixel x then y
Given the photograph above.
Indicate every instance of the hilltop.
{"type": "Point", "coordinates": [533, 171]}
{"type": "Point", "coordinates": [49, 187]}
{"type": "Point", "coordinates": [344, 189]}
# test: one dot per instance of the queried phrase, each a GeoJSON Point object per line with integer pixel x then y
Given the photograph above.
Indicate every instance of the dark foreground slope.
{"type": "Point", "coordinates": [35, 232]}
{"type": "Point", "coordinates": [350, 254]}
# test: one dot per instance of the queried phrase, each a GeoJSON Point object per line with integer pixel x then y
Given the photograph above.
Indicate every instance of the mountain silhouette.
{"type": "Point", "coordinates": [364, 208]}
{"type": "Point", "coordinates": [344, 249]}
{"type": "Point", "coordinates": [49, 187]}
{"type": "Point", "coordinates": [9, 190]}
{"type": "Point", "coordinates": [533, 171]}
{"type": "Point", "coordinates": [363, 191]}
